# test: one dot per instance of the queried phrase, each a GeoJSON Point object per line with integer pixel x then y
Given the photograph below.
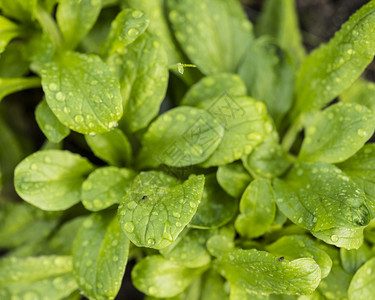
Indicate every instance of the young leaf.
{"type": "Point", "coordinates": [105, 187]}
{"type": "Point", "coordinates": [337, 133]}
{"type": "Point", "coordinates": [352, 260]}
{"type": "Point", "coordinates": [298, 246]}
{"type": "Point", "coordinates": [189, 249]}
{"type": "Point", "coordinates": [8, 31]}
{"type": "Point", "coordinates": [11, 85]}
{"type": "Point", "coordinates": [213, 286]}
{"type": "Point", "coordinates": [333, 67]}
{"type": "Point", "coordinates": [257, 207]}
{"type": "Point", "coordinates": [216, 208]}
{"type": "Point", "coordinates": [182, 136]}
{"type": "Point", "coordinates": [51, 179]}
{"type": "Point", "coordinates": [348, 238]}
{"type": "Point", "coordinates": [361, 169]}
{"type": "Point", "coordinates": [268, 160]}
{"type": "Point", "coordinates": [261, 273]}
{"type": "Point", "coordinates": [223, 26]}
{"type": "Point", "coordinates": [35, 277]}
{"type": "Point", "coordinates": [49, 124]}
{"type": "Point", "coordinates": [362, 285]}
{"type": "Point", "coordinates": [362, 92]}
{"type": "Point", "coordinates": [143, 76]}
{"type": "Point", "coordinates": [279, 19]}
{"type": "Point", "coordinates": [233, 179]}
{"type": "Point", "coordinates": [125, 29]}
{"type": "Point", "coordinates": [159, 277]}
{"type": "Point", "coordinates": [323, 198]}
{"type": "Point", "coordinates": [158, 207]}
{"type": "Point", "coordinates": [22, 10]}
{"type": "Point", "coordinates": [221, 242]}
{"type": "Point", "coordinates": [76, 18]}
{"type": "Point", "coordinates": [113, 147]}
{"type": "Point", "coordinates": [245, 120]}
{"type": "Point", "coordinates": [100, 254]}
{"type": "Point", "coordinates": [265, 65]}
{"type": "Point", "coordinates": [82, 92]}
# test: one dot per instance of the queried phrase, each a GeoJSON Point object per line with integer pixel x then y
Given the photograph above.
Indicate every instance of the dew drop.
{"type": "Point", "coordinates": [150, 242]}
{"type": "Point", "coordinates": [192, 205]}
{"type": "Point", "coordinates": [132, 32]}
{"type": "Point", "coordinates": [66, 110]}
{"type": "Point", "coordinates": [52, 87]}
{"type": "Point", "coordinates": [131, 205]}
{"type": "Point", "coordinates": [334, 238]}
{"type": "Point", "coordinates": [129, 226]}
{"type": "Point", "coordinates": [178, 224]}
{"type": "Point", "coordinates": [60, 96]}
{"type": "Point", "coordinates": [115, 258]}
{"type": "Point", "coordinates": [79, 118]}
{"type": "Point", "coordinates": [137, 14]}
{"type": "Point", "coordinates": [362, 132]}
{"type": "Point", "coordinates": [176, 214]}
{"type": "Point", "coordinates": [34, 167]}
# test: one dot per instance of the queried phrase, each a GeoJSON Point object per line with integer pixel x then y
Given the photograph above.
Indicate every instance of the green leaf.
{"type": "Point", "coordinates": [266, 65]}
{"type": "Point", "coordinates": [22, 224]}
{"type": "Point", "coordinates": [12, 62]}
{"type": "Point", "coordinates": [100, 254]}
{"type": "Point", "coordinates": [233, 179]}
{"type": "Point", "coordinates": [361, 168]}
{"type": "Point", "coordinates": [362, 92]}
{"type": "Point", "coordinates": [261, 272]}
{"type": "Point", "coordinates": [221, 242]}
{"type": "Point", "coordinates": [112, 147]}
{"type": "Point", "coordinates": [337, 133]}
{"type": "Point", "coordinates": [352, 260]}
{"type": "Point", "coordinates": [39, 50]}
{"type": "Point", "coordinates": [105, 186]}
{"type": "Point", "coordinates": [159, 277]}
{"type": "Point", "coordinates": [189, 249]}
{"type": "Point", "coordinates": [244, 119]}
{"type": "Point", "coordinates": [82, 92]}
{"type": "Point", "coordinates": [268, 160]}
{"type": "Point", "coordinates": [8, 31]}
{"type": "Point", "coordinates": [257, 209]}
{"type": "Point", "coordinates": [182, 136]}
{"type": "Point", "coordinates": [333, 67]}
{"type": "Point", "coordinates": [223, 26]}
{"type": "Point", "coordinates": [213, 286]}
{"type": "Point", "coordinates": [319, 196]}
{"type": "Point", "coordinates": [237, 293]}
{"type": "Point", "coordinates": [158, 207]}
{"type": "Point", "coordinates": [279, 19]}
{"type": "Point", "coordinates": [76, 18]}
{"type": "Point", "coordinates": [11, 85]}
{"type": "Point", "coordinates": [128, 25]}
{"type": "Point", "coordinates": [298, 246]}
{"type": "Point", "coordinates": [22, 10]}
{"type": "Point", "coordinates": [51, 179]}
{"type": "Point", "coordinates": [362, 285]}
{"type": "Point", "coordinates": [36, 277]}
{"type": "Point", "coordinates": [216, 208]}
{"type": "Point", "coordinates": [143, 75]}
{"type": "Point", "coordinates": [49, 124]}
{"type": "Point", "coordinates": [348, 238]}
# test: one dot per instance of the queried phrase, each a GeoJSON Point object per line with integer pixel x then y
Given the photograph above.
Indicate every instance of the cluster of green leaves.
{"type": "Point", "coordinates": [218, 195]}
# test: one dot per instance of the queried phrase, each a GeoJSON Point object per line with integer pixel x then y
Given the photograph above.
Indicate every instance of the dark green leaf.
{"type": "Point", "coordinates": [82, 92]}
{"type": "Point", "coordinates": [11, 85]}
{"type": "Point", "coordinates": [233, 179]}
{"type": "Point", "coordinates": [261, 272]}
{"type": "Point", "coordinates": [352, 260]}
{"type": "Point", "coordinates": [298, 246]}
{"type": "Point", "coordinates": [362, 92]}
{"type": "Point", "coordinates": [183, 136]}
{"type": "Point", "coordinates": [158, 207]}
{"type": "Point", "coordinates": [143, 74]}
{"type": "Point", "coordinates": [319, 196]}
{"type": "Point", "coordinates": [216, 208]}
{"type": "Point", "coordinates": [213, 286]}
{"type": "Point", "coordinates": [257, 209]}
{"type": "Point", "coordinates": [49, 124]}
{"type": "Point", "coordinates": [113, 147]}
{"type": "Point", "coordinates": [22, 10]}
{"type": "Point", "coordinates": [337, 133]}
{"type": "Point", "coordinates": [76, 18]}
{"type": "Point", "coordinates": [333, 67]}
{"type": "Point", "coordinates": [159, 277]}
{"type": "Point", "coordinates": [12, 63]}
{"type": "Point", "coordinates": [36, 277]}
{"type": "Point", "coordinates": [223, 26]}
{"type": "Point", "coordinates": [100, 254]}
{"type": "Point", "coordinates": [125, 29]}
{"type": "Point", "coordinates": [51, 179]}
{"type": "Point", "coordinates": [105, 187]}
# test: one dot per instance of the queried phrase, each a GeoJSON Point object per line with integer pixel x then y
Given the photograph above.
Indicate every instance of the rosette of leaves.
{"type": "Point", "coordinates": [236, 179]}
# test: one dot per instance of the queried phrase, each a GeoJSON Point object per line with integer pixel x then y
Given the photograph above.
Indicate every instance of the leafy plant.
{"type": "Point", "coordinates": [179, 136]}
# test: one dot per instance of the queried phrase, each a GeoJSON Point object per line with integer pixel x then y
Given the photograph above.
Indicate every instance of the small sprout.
{"type": "Point", "coordinates": [280, 258]}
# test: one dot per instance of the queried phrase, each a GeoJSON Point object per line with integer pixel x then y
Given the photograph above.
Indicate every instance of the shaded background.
{"type": "Point", "coordinates": [319, 20]}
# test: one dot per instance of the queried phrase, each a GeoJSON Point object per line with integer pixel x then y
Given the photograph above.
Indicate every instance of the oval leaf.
{"type": "Point", "coordinates": [362, 286]}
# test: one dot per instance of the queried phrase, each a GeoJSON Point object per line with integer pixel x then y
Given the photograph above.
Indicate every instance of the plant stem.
{"type": "Point", "coordinates": [49, 26]}
{"type": "Point", "coordinates": [291, 135]}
